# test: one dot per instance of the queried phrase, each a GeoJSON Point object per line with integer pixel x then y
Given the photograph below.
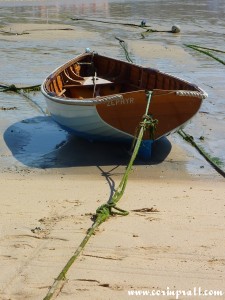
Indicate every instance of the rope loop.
{"type": "Point", "coordinates": [13, 88]}
{"type": "Point", "coordinates": [9, 88]}
{"type": "Point", "coordinates": [104, 211]}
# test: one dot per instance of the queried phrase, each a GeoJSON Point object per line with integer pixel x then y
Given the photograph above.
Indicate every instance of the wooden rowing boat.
{"type": "Point", "coordinates": [102, 98]}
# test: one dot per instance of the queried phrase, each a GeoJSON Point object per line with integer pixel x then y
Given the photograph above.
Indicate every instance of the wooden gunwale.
{"type": "Point", "coordinates": [140, 77]}
{"type": "Point", "coordinates": [119, 96]}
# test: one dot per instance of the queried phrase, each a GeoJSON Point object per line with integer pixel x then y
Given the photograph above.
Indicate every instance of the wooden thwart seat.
{"type": "Point", "coordinates": [69, 79]}
{"type": "Point", "coordinates": [62, 92]}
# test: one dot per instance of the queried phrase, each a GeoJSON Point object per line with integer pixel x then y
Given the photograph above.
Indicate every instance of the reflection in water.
{"type": "Point", "coordinates": [165, 12]}
{"type": "Point", "coordinates": [46, 9]}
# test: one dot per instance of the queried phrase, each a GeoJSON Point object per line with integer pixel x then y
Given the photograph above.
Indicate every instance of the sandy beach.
{"type": "Point", "coordinates": [52, 183]}
{"type": "Point", "coordinates": [173, 236]}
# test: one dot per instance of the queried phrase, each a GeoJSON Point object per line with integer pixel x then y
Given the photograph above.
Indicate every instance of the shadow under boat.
{"type": "Point", "coordinates": [41, 143]}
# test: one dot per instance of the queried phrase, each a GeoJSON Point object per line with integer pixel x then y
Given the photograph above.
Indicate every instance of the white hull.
{"type": "Point", "coordinates": [84, 121]}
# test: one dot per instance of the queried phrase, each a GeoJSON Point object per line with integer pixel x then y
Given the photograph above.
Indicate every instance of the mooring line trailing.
{"type": "Point", "coordinates": [108, 209]}
{"type": "Point", "coordinates": [208, 158]}
{"type": "Point", "coordinates": [23, 91]}
{"type": "Point", "coordinates": [207, 51]}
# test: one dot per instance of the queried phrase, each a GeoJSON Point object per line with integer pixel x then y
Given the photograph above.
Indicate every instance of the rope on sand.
{"type": "Point", "coordinates": [123, 44]}
{"type": "Point", "coordinates": [207, 51]}
{"type": "Point", "coordinates": [13, 33]}
{"type": "Point", "coordinates": [215, 162]}
{"type": "Point", "coordinates": [23, 91]}
{"type": "Point", "coordinates": [142, 25]}
{"type": "Point", "coordinates": [31, 30]}
{"type": "Point", "coordinates": [13, 88]}
{"type": "Point", "coordinates": [106, 210]}
{"type": "Point", "coordinates": [174, 29]}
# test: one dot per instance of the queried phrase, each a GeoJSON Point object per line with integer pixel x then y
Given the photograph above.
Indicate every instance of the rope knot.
{"type": "Point", "coordinates": [149, 123]}
{"type": "Point", "coordinates": [146, 117]}
{"type": "Point", "coordinates": [9, 88]}
{"type": "Point", "coordinates": [104, 211]}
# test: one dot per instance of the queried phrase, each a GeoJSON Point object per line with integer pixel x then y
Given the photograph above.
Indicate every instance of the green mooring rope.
{"type": "Point", "coordinates": [13, 88]}
{"type": "Point", "coordinates": [106, 210]}
{"type": "Point", "coordinates": [123, 44]}
{"type": "Point", "coordinates": [110, 22]}
{"type": "Point", "coordinates": [210, 159]}
{"type": "Point", "coordinates": [207, 51]}
{"type": "Point", "coordinates": [23, 91]}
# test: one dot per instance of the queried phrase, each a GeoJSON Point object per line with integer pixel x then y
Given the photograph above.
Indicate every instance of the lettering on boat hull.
{"type": "Point", "coordinates": [123, 101]}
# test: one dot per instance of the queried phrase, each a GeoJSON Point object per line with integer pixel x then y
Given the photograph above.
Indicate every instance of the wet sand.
{"type": "Point", "coordinates": [51, 184]}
